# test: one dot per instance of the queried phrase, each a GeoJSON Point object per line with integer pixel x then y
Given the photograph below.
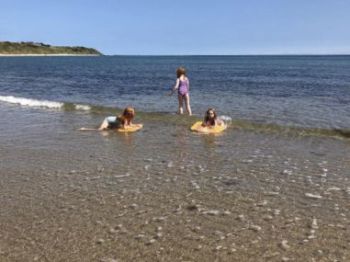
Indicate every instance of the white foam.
{"type": "Point", "coordinates": [82, 107]}
{"type": "Point", "coordinates": [31, 102]}
{"type": "Point", "coordinates": [227, 120]}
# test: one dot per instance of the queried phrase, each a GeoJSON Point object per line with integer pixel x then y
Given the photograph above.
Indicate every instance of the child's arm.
{"type": "Point", "coordinates": [176, 84]}
{"type": "Point", "coordinates": [219, 122]}
{"type": "Point", "coordinates": [127, 123]}
{"type": "Point", "coordinates": [204, 123]}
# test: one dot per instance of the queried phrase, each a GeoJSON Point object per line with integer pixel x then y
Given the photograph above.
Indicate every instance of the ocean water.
{"type": "Point", "coordinates": [307, 92]}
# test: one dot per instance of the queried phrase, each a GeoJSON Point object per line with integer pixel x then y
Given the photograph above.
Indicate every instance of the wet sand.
{"type": "Point", "coordinates": [169, 195]}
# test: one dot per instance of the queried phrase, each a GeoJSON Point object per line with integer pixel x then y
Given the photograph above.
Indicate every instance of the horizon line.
{"type": "Point", "coordinates": [306, 54]}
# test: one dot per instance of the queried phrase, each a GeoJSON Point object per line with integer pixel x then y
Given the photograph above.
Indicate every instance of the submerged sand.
{"type": "Point", "coordinates": [171, 196]}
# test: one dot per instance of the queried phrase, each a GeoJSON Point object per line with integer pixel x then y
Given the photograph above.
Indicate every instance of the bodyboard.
{"type": "Point", "coordinates": [129, 129]}
{"type": "Point", "coordinates": [197, 127]}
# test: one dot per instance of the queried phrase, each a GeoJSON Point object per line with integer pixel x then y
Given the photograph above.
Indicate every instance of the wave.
{"type": "Point", "coordinates": [31, 102]}
{"type": "Point", "coordinates": [28, 102]}
{"type": "Point", "coordinates": [171, 118]}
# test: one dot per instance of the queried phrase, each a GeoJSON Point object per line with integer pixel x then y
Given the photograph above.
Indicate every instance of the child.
{"type": "Point", "coordinates": [210, 119]}
{"type": "Point", "coordinates": [183, 87]}
{"type": "Point", "coordinates": [122, 121]}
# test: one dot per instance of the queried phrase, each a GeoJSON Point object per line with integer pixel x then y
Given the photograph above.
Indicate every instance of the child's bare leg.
{"type": "Point", "coordinates": [181, 111]}
{"type": "Point", "coordinates": [188, 107]}
{"type": "Point", "coordinates": [104, 125]}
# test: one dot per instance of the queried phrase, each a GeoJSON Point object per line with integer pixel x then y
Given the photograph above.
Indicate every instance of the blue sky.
{"type": "Point", "coordinates": [179, 27]}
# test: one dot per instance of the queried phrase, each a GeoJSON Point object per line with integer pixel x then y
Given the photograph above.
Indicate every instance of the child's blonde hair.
{"type": "Point", "coordinates": [128, 114]}
{"type": "Point", "coordinates": [180, 71]}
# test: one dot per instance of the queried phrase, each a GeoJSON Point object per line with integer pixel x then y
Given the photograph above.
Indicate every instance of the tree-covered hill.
{"type": "Point", "coordinates": [27, 48]}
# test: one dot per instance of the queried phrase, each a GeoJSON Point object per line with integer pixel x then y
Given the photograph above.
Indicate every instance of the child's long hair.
{"type": "Point", "coordinates": [180, 71]}
{"type": "Point", "coordinates": [128, 114]}
{"type": "Point", "coordinates": [208, 118]}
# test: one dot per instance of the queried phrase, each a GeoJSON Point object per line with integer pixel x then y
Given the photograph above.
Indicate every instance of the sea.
{"type": "Point", "coordinates": [306, 92]}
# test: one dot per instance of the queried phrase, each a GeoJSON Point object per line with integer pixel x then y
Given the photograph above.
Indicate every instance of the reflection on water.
{"type": "Point", "coordinates": [212, 140]}
{"type": "Point", "coordinates": [126, 138]}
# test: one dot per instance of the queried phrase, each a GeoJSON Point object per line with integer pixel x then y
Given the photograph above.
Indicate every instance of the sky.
{"type": "Point", "coordinates": [179, 27]}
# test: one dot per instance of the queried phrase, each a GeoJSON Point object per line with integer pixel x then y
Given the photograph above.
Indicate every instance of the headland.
{"type": "Point", "coordinates": [40, 49]}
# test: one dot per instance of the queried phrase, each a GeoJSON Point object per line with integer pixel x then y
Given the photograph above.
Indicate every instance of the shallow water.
{"type": "Point", "coordinates": [166, 192]}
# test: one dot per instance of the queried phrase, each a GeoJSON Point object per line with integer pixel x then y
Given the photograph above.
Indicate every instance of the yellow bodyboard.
{"type": "Point", "coordinates": [197, 127]}
{"type": "Point", "coordinates": [129, 129]}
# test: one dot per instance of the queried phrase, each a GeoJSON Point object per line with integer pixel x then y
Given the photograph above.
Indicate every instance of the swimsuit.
{"type": "Point", "coordinates": [111, 119]}
{"type": "Point", "coordinates": [113, 122]}
{"type": "Point", "coordinates": [183, 87]}
{"type": "Point", "coordinates": [210, 122]}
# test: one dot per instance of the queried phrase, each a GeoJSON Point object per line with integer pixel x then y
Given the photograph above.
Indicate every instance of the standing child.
{"type": "Point", "coordinates": [183, 87]}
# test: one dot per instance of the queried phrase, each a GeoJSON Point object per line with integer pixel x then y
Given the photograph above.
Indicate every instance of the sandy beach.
{"type": "Point", "coordinates": [175, 196]}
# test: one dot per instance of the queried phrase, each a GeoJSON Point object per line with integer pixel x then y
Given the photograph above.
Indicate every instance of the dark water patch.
{"type": "Point", "coordinates": [342, 132]}
{"type": "Point", "coordinates": [292, 131]}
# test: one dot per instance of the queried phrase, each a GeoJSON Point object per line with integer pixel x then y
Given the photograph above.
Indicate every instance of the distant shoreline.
{"type": "Point", "coordinates": [194, 55]}
{"type": "Point", "coordinates": [261, 55]}
{"type": "Point", "coordinates": [4, 55]}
